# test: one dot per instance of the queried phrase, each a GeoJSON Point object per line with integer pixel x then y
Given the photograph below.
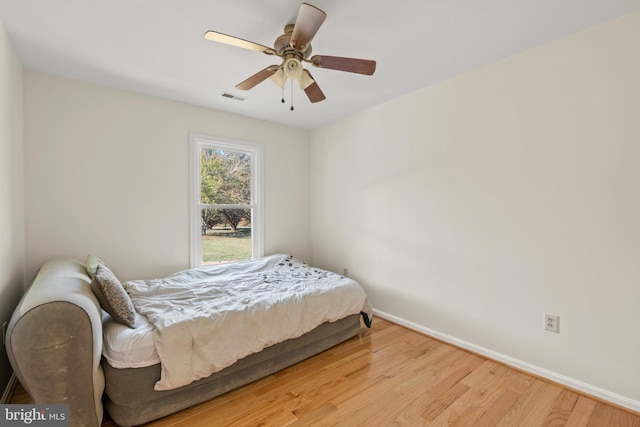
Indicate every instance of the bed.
{"type": "Point", "coordinates": [191, 336]}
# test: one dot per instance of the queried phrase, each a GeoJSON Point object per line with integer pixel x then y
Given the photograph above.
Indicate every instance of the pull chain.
{"type": "Point", "coordinates": [291, 95]}
{"type": "Point", "coordinates": [282, 100]}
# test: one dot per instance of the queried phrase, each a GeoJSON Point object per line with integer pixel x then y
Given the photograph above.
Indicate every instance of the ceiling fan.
{"type": "Point", "coordinates": [294, 47]}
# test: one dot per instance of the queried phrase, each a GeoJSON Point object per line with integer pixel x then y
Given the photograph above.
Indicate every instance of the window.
{"type": "Point", "coordinates": [226, 211]}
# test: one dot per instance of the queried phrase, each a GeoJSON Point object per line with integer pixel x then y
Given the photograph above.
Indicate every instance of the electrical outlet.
{"type": "Point", "coordinates": [552, 322]}
{"type": "Point", "coordinates": [4, 332]}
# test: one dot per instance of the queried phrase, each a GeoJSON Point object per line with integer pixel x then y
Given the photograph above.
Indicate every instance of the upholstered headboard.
{"type": "Point", "coordinates": [54, 341]}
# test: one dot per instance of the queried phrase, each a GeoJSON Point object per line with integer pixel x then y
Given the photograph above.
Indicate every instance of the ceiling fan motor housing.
{"type": "Point", "coordinates": [283, 47]}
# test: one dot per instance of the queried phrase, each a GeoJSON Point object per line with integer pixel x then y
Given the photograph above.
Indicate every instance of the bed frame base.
{"type": "Point", "coordinates": [130, 398]}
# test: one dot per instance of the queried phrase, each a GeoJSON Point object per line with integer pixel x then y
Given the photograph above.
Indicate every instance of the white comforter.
{"type": "Point", "coordinates": [207, 318]}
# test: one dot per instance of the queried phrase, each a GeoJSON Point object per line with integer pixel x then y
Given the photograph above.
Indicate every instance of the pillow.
{"type": "Point", "coordinates": [91, 264]}
{"type": "Point", "coordinates": [112, 296]}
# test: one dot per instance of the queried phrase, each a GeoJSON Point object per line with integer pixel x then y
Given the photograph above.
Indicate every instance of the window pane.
{"type": "Point", "coordinates": [226, 235]}
{"type": "Point", "coordinates": [226, 216]}
{"type": "Point", "coordinates": [225, 177]}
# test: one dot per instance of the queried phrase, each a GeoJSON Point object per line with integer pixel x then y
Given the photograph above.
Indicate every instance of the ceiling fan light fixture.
{"type": "Point", "coordinates": [281, 75]}
{"type": "Point", "coordinates": [304, 81]}
{"type": "Point", "coordinates": [293, 68]}
{"type": "Point", "coordinates": [279, 78]}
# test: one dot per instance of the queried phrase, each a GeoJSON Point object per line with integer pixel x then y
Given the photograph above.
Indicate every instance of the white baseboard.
{"type": "Point", "coordinates": [596, 392]}
{"type": "Point", "coordinates": [8, 391]}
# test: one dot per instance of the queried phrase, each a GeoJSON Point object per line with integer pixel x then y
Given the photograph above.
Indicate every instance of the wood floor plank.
{"type": "Point", "coordinates": [581, 413]}
{"type": "Point", "coordinates": [390, 375]}
{"type": "Point", "coordinates": [502, 405]}
{"type": "Point", "coordinates": [602, 415]}
{"type": "Point", "coordinates": [467, 418]}
{"type": "Point", "coordinates": [561, 409]}
{"type": "Point", "coordinates": [508, 380]}
{"type": "Point", "coordinates": [433, 395]}
{"type": "Point", "coordinates": [540, 407]}
{"type": "Point", "coordinates": [481, 383]}
{"type": "Point", "coordinates": [524, 405]}
{"type": "Point", "coordinates": [317, 417]}
{"type": "Point", "coordinates": [444, 400]}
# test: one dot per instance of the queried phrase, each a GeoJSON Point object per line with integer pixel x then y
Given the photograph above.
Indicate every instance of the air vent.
{"type": "Point", "coordinates": [232, 96]}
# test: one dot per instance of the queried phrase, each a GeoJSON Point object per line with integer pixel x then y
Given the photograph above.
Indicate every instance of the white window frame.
{"type": "Point", "coordinates": [196, 142]}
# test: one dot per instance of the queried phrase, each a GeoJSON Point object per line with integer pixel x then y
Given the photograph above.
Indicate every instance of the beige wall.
{"type": "Point", "coordinates": [12, 248]}
{"type": "Point", "coordinates": [107, 172]}
{"type": "Point", "coordinates": [472, 207]}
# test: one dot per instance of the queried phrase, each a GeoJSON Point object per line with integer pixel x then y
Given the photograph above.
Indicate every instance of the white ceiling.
{"type": "Point", "coordinates": [156, 47]}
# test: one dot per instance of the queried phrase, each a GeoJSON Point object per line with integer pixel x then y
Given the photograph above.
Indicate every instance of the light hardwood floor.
{"type": "Point", "coordinates": [390, 375]}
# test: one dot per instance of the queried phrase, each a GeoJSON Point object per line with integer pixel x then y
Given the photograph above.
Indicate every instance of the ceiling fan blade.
{"type": "Point", "coordinates": [258, 77]}
{"type": "Point", "coordinates": [313, 90]}
{"type": "Point", "coordinates": [352, 65]}
{"type": "Point", "coordinates": [308, 22]}
{"type": "Point", "coordinates": [235, 41]}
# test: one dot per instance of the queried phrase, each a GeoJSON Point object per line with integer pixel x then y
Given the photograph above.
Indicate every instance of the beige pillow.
{"type": "Point", "coordinates": [91, 264]}
{"type": "Point", "coordinates": [112, 296]}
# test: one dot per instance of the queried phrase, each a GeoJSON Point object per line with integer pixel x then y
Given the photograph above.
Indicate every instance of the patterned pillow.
{"type": "Point", "coordinates": [112, 296]}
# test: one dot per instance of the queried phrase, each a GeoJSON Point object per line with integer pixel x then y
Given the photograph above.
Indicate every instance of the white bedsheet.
{"type": "Point", "coordinates": [124, 347]}
{"type": "Point", "coordinates": [207, 318]}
